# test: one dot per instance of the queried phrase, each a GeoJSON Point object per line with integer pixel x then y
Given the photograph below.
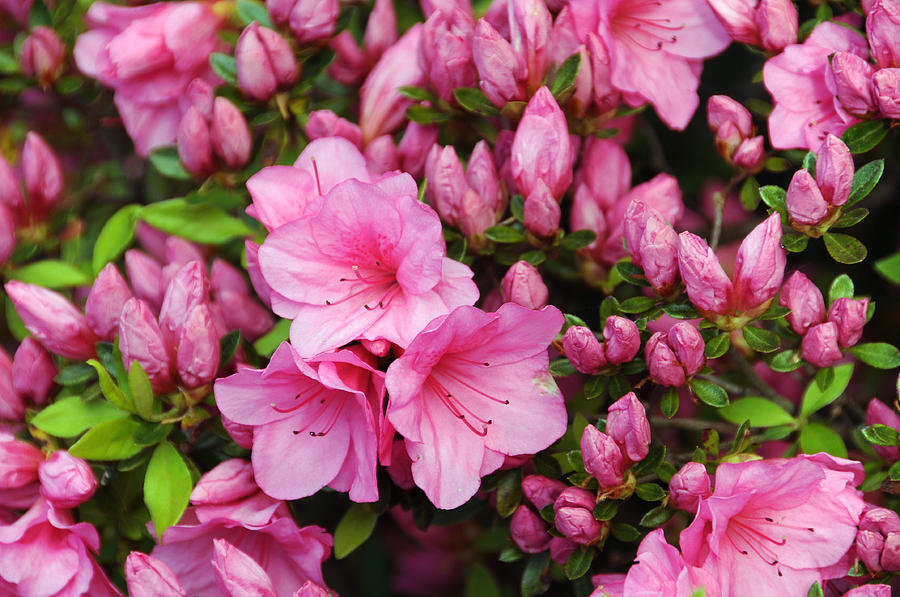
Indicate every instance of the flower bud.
{"type": "Point", "coordinates": [42, 55]}
{"type": "Point", "coordinates": [541, 491]}
{"type": "Point", "coordinates": [706, 283]}
{"type": "Point", "coordinates": [886, 89]}
{"type": "Point", "coordinates": [688, 486]}
{"type": "Point", "coordinates": [541, 151]}
{"type": "Point", "coordinates": [804, 300]}
{"type": "Point", "coordinates": [194, 146]}
{"type": "Point", "coordinates": [198, 353]}
{"type": "Point", "coordinates": [522, 284]}
{"type": "Point", "coordinates": [313, 20]}
{"type": "Point", "coordinates": [105, 301]}
{"type": "Point", "coordinates": [561, 549]}
{"type": "Point", "coordinates": [229, 134]}
{"type": "Point", "coordinates": [759, 267]}
{"type": "Point", "coordinates": [381, 29]}
{"type": "Point", "coordinates": [751, 154]}
{"type": "Point", "coordinates": [7, 232]}
{"type": "Point", "coordinates": [66, 481]}
{"type": "Point", "coordinates": [10, 189]}
{"type": "Point", "coordinates": [658, 248]}
{"type": "Point", "coordinates": [12, 408]}
{"type": "Point", "coordinates": [777, 23]}
{"type": "Point", "coordinates": [19, 462]}
{"type": "Point", "coordinates": [33, 371]}
{"type": "Point", "coordinates": [148, 577]}
{"type": "Point", "coordinates": [583, 349]}
{"type": "Point", "coordinates": [721, 110]}
{"type": "Point", "coordinates": [602, 457]}
{"type": "Point", "coordinates": [264, 62]}
{"type": "Point", "coordinates": [145, 275]}
{"type": "Point", "coordinates": [805, 204]}
{"type": "Point", "coordinates": [622, 340]}
{"type": "Point", "coordinates": [412, 148]}
{"type": "Point", "coordinates": [42, 173]}
{"type": "Point", "coordinates": [662, 363]}
{"type": "Point", "coordinates": [481, 174]}
{"type": "Point", "coordinates": [528, 530]}
{"type": "Point", "coordinates": [853, 79]}
{"type": "Point", "coordinates": [141, 340]}
{"type": "Point", "coordinates": [237, 574]}
{"type": "Point", "coordinates": [834, 170]}
{"type": "Point", "coordinates": [686, 342]}
{"type": "Point", "coordinates": [877, 412]}
{"type": "Point", "coordinates": [883, 31]}
{"type": "Point", "coordinates": [876, 526]}
{"type": "Point", "coordinates": [738, 20]}
{"type": "Point", "coordinates": [53, 320]}
{"type": "Point", "coordinates": [820, 345]}
{"type": "Point", "coordinates": [500, 69]}
{"type": "Point", "coordinates": [325, 123]}
{"type": "Point", "coordinates": [446, 182]}
{"type": "Point", "coordinates": [606, 96]}
{"type": "Point", "coordinates": [627, 424]}
{"type": "Point", "coordinates": [574, 516]}
{"type": "Point", "coordinates": [187, 288]}
{"type": "Point", "coordinates": [229, 481]}
{"type": "Point", "coordinates": [542, 212]}
{"type": "Point", "coordinates": [311, 589]}
{"type": "Point", "coordinates": [446, 51]}
{"type": "Point", "coordinates": [475, 216]}
{"type": "Point", "coordinates": [849, 316]}
{"type": "Point", "coordinates": [243, 434]}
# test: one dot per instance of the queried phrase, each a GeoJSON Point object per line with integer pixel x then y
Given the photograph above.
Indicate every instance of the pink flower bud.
{"type": "Point", "coordinates": [561, 549]}
{"type": "Point", "coordinates": [738, 20]}
{"type": "Point", "coordinates": [446, 182]}
{"type": "Point", "coordinates": [200, 94]}
{"type": "Point", "coordinates": [853, 79]}
{"type": "Point", "coordinates": [33, 371]}
{"type": "Point", "coordinates": [583, 350]}
{"type": "Point", "coordinates": [500, 69]}
{"type": "Point", "coordinates": [381, 155]}
{"type": "Point", "coordinates": [627, 424]}
{"type": "Point", "coordinates": [53, 320]}
{"type": "Point", "coordinates": [523, 285]}
{"type": "Point", "coordinates": [602, 457]}
{"type": "Point", "coordinates": [875, 527]}
{"type": "Point", "coordinates": [804, 300]}
{"type": "Point", "coordinates": [141, 340]}
{"type": "Point", "coordinates": [475, 216]}
{"type": "Point", "coordinates": [413, 147]}
{"type": "Point", "coordinates": [42, 55]}
{"type": "Point", "coordinates": [805, 203]}
{"type": "Point", "coordinates": [659, 254]}
{"type": "Point", "coordinates": [877, 412]}
{"type": "Point", "coordinates": [224, 277]}
{"type": "Point", "coordinates": [662, 363]}
{"type": "Point", "coordinates": [229, 481]}
{"type": "Point", "coordinates": [890, 556]}
{"type": "Point", "coordinates": [542, 212]}
{"type": "Point", "coordinates": [728, 139]}
{"type": "Point", "coordinates": [148, 577]}
{"type": "Point", "coordinates": [145, 275]}
{"type": "Point", "coordinates": [883, 31]}
{"type": "Point", "coordinates": [10, 189]}
{"type": "Point", "coordinates": [820, 345]}
{"type": "Point", "coordinates": [688, 486]}
{"type": "Point", "coordinates": [12, 408]}
{"type": "Point", "coordinates": [325, 123]}
{"type": "Point", "coordinates": [198, 348]}
{"type": "Point", "coordinates": [528, 530]}
{"type": "Point", "coordinates": [311, 589]}
{"type": "Point", "coordinates": [622, 339]}
{"type": "Point", "coordinates": [541, 150]}
{"type": "Point", "coordinates": [446, 52]}
{"type": "Point", "coordinates": [686, 342]}
{"type": "Point", "coordinates": [243, 434]}
{"type": "Point", "coordinates": [237, 574]}
{"type": "Point", "coordinates": [530, 24]}
{"type": "Point", "coordinates": [541, 491]}
{"type": "Point", "coordinates": [849, 316]}
{"type": "Point", "coordinates": [7, 233]}
{"type": "Point", "coordinates": [105, 301]}
{"type": "Point", "coordinates": [606, 96]}
{"type": "Point", "coordinates": [834, 170]}
{"type": "Point", "coordinates": [381, 29]}
{"type": "Point", "coordinates": [706, 283]}
{"type": "Point", "coordinates": [574, 516]}
{"type": "Point", "coordinates": [751, 154]}
{"type": "Point", "coordinates": [312, 20]}
{"type": "Point", "coordinates": [194, 146]}
{"type": "Point", "coordinates": [777, 22]}
{"type": "Point", "coordinates": [759, 267]}
{"type": "Point", "coordinates": [241, 312]}
{"type": "Point", "coordinates": [886, 89]}
{"type": "Point", "coordinates": [721, 110]}
{"type": "Point", "coordinates": [481, 174]}
{"type": "Point", "coordinates": [42, 173]}
{"type": "Point", "coordinates": [264, 62]}
{"type": "Point", "coordinates": [229, 134]}
{"type": "Point", "coordinates": [188, 288]}
{"type": "Point", "coordinates": [19, 463]}
{"type": "Point", "coordinates": [66, 481]}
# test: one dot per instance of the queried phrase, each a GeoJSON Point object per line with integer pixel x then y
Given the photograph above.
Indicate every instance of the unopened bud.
{"type": "Point", "coordinates": [886, 89]}
{"type": "Point", "coordinates": [820, 345]}
{"type": "Point", "coordinates": [602, 457]}
{"type": "Point", "coordinates": [688, 486]}
{"type": "Point", "coordinates": [264, 62]}
{"type": "Point", "coordinates": [583, 350]}
{"type": "Point", "coordinates": [853, 79]}
{"type": "Point", "coordinates": [148, 577]}
{"type": "Point", "coordinates": [54, 321]}
{"type": "Point", "coordinates": [622, 339]}
{"type": "Point", "coordinates": [42, 55]}
{"type": "Point", "coordinates": [522, 284]}
{"type": "Point", "coordinates": [42, 173]}
{"type": "Point", "coordinates": [541, 491]}
{"type": "Point", "coordinates": [33, 371]}
{"type": "Point", "coordinates": [229, 134]}
{"type": "Point", "coordinates": [528, 530]}
{"type": "Point", "coordinates": [849, 316]}
{"type": "Point", "coordinates": [627, 424]}
{"type": "Point", "coordinates": [804, 300]}
{"type": "Point", "coordinates": [66, 481]}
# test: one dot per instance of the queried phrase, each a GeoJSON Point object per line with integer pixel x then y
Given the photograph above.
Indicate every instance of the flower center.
{"type": "Point", "coordinates": [438, 382]}
{"type": "Point", "coordinates": [756, 535]}
{"type": "Point", "coordinates": [640, 22]}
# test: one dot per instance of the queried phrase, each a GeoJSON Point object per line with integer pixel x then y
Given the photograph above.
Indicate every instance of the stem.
{"type": "Point", "coordinates": [692, 424]}
{"type": "Point", "coordinates": [719, 202]}
{"type": "Point", "coordinates": [757, 382]}
{"type": "Point", "coordinates": [731, 388]}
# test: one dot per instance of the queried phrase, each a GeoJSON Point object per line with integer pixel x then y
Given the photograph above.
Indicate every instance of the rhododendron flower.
{"type": "Point", "coordinates": [315, 422]}
{"type": "Point", "coordinates": [370, 263]}
{"type": "Point", "coordinates": [660, 571]}
{"type": "Point", "coordinates": [774, 527]}
{"type": "Point", "coordinates": [471, 387]}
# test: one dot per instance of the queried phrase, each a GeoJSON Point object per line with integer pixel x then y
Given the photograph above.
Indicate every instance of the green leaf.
{"type": "Point", "coordinates": [504, 234]}
{"type": "Point", "coordinates": [167, 487]}
{"type": "Point", "coordinates": [750, 194]}
{"type": "Point", "coordinates": [71, 416]}
{"type": "Point", "coordinates": [786, 361]}
{"type": "Point", "coordinates": [39, 15]}
{"type": "Point", "coordinates": [851, 218]}
{"type": "Point", "coordinates": [51, 273]}
{"type": "Point", "coordinates": [562, 367]}
{"type": "Point", "coordinates": [533, 582]}
{"type": "Point", "coordinates": [198, 222]}
{"type": "Point", "coordinates": [625, 532]}
{"type": "Point", "coordinates": [760, 411]}
{"type": "Point", "coordinates": [224, 66]}
{"type": "Point", "coordinates": [416, 93]}
{"type": "Point", "coordinates": [760, 339]}
{"type": "Point", "coordinates": [112, 391]}
{"type": "Point", "coordinates": [509, 492]}
{"type": "Point", "coordinates": [794, 242]}
{"type": "Point", "coordinates": [881, 435]}
{"type": "Point", "coordinates": [775, 197]}
{"type": "Point", "coordinates": [864, 181]}
{"type": "Point", "coordinates": [566, 75]}
{"type": "Point", "coordinates": [815, 590]}
{"type": "Point", "coordinates": [669, 403]}
{"type": "Point", "coordinates": [579, 562]}
{"type": "Point", "coordinates": [631, 273]}
{"type": "Point", "coordinates": [535, 257]}
{"type": "Point", "coordinates": [250, 10]}
{"type": "Point", "coordinates": [167, 162]}
{"type": "Point", "coordinates": [354, 528]}
{"type": "Point", "coordinates": [474, 100]}
{"type": "Point", "coordinates": [718, 346]}
{"type": "Point", "coordinates": [511, 554]}
{"type": "Point", "coordinates": [606, 510]}
{"type": "Point", "coordinates": [595, 387]}
{"type": "Point", "coordinates": [824, 377]}
{"type": "Point", "coordinates": [279, 333]}
{"type": "Point", "coordinates": [817, 437]}
{"type": "Point", "coordinates": [709, 393]}
{"type": "Point", "coordinates": [115, 236]}
{"type": "Point", "coordinates": [618, 386]}
{"type": "Point", "coordinates": [889, 267]}
{"type": "Point", "coordinates": [228, 345]}
{"type": "Point", "coordinates": [425, 115]}
{"type": "Point", "coordinates": [480, 582]}
{"type": "Point", "coordinates": [809, 163]}
{"type": "Point", "coordinates": [75, 373]}
{"type": "Point", "coordinates": [681, 311]}
{"type": "Point", "coordinates": [637, 304]}
{"type": "Point", "coordinates": [578, 239]}
{"type": "Point", "coordinates": [650, 492]}
{"type": "Point", "coordinates": [877, 354]}
{"type": "Point", "coordinates": [815, 399]}
{"type": "Point", "coordinates": [656, 517]}
{"type": "Point", "coordinates": [894, 471]}
{"type": "Point", "coordinates": [864, 136]}
{"type": "Point", "coordinates": [517, 207]}
{"type": "Point", "coordinates": [655, 456]}
{"type": "Point", "coordinates": [109, 440]}
{"type": "Point", "coordinates": [141, 390]}
{"type": "Point", "coordinates": [841, 287]}
{"type": "Point", "coordinates": [844, 248]}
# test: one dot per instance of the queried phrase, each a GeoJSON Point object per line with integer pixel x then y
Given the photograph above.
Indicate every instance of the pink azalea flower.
{"type": "Point", "coordinates": [471, 387]}
{"type": "Point", "coordinates": [370, 263]}
{"type": "Point", "coordinates": [656, 49]}
{"type": "Point", "coordinates": [660, 571]}
{"type": "Point", "coordinates": [802, 85]}
{"type": "Point", "coordinates": [774, 527]}
{"type": "Point", "coordinates": [314, 422]}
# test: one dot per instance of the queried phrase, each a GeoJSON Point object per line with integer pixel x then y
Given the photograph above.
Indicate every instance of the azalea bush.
{"type": "Point", "coordinates": [519, 297]}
